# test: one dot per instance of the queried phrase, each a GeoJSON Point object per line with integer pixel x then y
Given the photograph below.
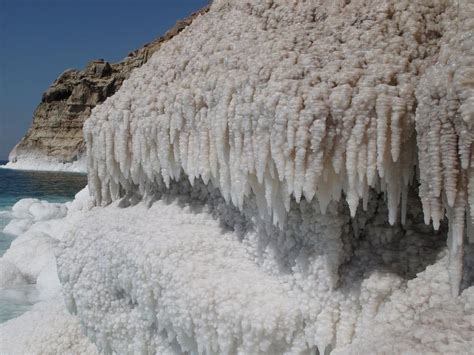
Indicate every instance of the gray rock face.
{"type": "Point", "coordinates": [56, 130]}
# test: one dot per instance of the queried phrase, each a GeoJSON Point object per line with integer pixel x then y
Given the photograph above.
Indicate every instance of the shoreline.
{"type": "Point", "coordinates": [46, 165]}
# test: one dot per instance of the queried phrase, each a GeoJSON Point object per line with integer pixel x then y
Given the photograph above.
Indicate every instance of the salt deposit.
{"type": "Point", "coordinates": [300, 99]}
{"type": "Point", "coordinates": [28, 275]}
{"type": "Point", "coordinates": [193, 274]}
{"type": "Point", "coordinates": [40, 162]}
{"type": "Point", "coordinates": [46, 329]}
{"type": "Point", "coordinates": [220, 166]}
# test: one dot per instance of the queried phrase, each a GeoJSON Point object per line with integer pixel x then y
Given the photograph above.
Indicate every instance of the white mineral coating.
{"type": "Point", "coordinates": [419, 319]}
{"type": "Point", "coordinates": [38, 226]}
{"type": "Point", "coordinates": [46, 329]}
{"type": "Point", "coordinates": [37, 210]}
{"type": "Point", "coordinates": [189, 273]}
{"type": "Point", "coordinates": [28, 274]}
{"type": "Point", "coordinates": [279, 99]}
{"type": "Point", "coordinates": [38, 161]}
{"type": "Point", "coordinates": [444, 125]}
{"type": "Point", "coordinates": [18, 226]}
{"type": "Point", "coordinates": [47, 282]}
{"type": "Point", "coordinates": [10, 275]}
{"type": "Point", "coordinates": [290, 99]}
{"type": "Point", "coordinates": [30, 253]}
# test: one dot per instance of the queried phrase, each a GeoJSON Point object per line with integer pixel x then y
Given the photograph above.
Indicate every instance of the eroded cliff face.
{"type": "Point", "coordinates": [55, 134]}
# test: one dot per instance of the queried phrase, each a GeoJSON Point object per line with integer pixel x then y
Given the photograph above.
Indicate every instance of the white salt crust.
{"type": "Point", "coordinates": [284, 99]}
{"type": "Point", "coordinates": [41, 162]}
{"type": "Point", "coordinates": [28, 274]}
{"type": "Point", "coordinates": [192, 274]}
{"type": "Point", "coordinates": [46, 329]}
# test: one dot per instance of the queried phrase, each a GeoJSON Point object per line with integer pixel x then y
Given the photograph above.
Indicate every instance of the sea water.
{"type": "Point", "coordinates": [15, 185]}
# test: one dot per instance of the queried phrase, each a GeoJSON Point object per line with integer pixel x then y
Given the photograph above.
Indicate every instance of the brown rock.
{"type": "Point", "coordinates": [56, 130]}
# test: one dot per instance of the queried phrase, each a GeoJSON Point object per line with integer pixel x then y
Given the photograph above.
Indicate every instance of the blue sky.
{"type": "Point", "coordinates": [39, 39]}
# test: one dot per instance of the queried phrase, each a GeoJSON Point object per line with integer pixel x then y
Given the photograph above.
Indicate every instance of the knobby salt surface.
{"type": "Point", "coordinates": [186, 271]}
{"type": "Point", "coordinates": [301, 99]}
{"type": "Point", "coordinates": [193, 274]}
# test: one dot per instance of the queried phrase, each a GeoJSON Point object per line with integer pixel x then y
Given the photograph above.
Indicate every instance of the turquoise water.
{"type": "Point", "coordinates": [49, 186]}
{"type": "Point", "coordinates": [15, 185]}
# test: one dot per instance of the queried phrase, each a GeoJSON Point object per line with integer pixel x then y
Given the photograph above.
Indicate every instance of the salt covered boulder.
{"type": "Point", "coordinates": [290, 100]}
{"type": "Point", "coordinates": [10, 275]}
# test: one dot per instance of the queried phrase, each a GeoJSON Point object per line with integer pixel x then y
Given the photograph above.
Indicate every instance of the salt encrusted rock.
{"type": "Point", "coordinates": [55, 135]}
{"type": "Point", "coordinates": [10, 275]}
{"type": "Point", "coordinates": [303, 105]}
{"type": "Point", "coordinates": [46, 329]}
{"type": "Point", "coordinates": [444, 125]}
{"type": "Point", "coordinates": [190, 273]}
{"type": "Point", "coordinates": [301, 99]}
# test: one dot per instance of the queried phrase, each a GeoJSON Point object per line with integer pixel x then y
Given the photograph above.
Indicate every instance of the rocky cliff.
{"type": "Point", "coordinates": [55, 134]}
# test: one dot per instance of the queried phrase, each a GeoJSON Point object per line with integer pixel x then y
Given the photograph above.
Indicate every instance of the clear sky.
{"type": "Point", "coordinates": [39, 39]}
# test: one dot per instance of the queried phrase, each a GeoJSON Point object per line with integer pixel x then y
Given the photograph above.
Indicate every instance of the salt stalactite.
{"type": "Point", "coordinates": [444, 120]}
{"type": "Point", "coordinates": [300, 100]}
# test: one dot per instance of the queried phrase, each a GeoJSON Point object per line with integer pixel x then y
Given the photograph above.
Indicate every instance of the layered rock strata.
{"type": "Point", "coordinates": [56, 131]}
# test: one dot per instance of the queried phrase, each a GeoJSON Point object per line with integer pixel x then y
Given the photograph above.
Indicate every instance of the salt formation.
{"type": "Point", "coordinates": [42, 162]}
{"type": "Point", "coordinates": [283, 100]}
{"type": "Point", "coordinates": [28, 274]}
{"type": "Point", "coordinates": [304, 100]}
{"type": "Point", "coordinates": [46, 329]}
{"type": "Point", "coordinates": [33, 247]}
{"type": "Point", "coordinates": [191, 274]}
{"type": "Point", "coordinates": [262, 114]}
{"type": "Point", "coordinates": [445, 116]}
